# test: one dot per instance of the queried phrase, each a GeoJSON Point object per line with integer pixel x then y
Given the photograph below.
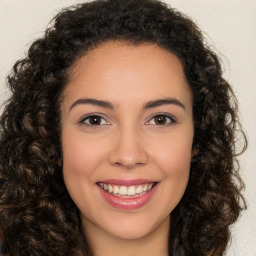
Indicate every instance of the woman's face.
{"type": "Point", "coordinates": [127, 132]}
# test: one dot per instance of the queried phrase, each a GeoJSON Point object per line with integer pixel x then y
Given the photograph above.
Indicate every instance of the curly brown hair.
{"type": "Point", "coordinates": [37, 215]}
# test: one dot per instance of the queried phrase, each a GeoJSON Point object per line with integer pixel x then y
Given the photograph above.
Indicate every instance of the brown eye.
{"type": "Point", "coordinates": [94, 120]}
{"type": "Point", "coordinates": [161, 120]}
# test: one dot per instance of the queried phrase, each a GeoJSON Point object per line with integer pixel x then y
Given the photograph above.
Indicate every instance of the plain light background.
{"type": "Point", "coordinates": [229, 26]}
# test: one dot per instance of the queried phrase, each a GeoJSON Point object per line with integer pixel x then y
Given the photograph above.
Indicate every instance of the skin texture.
{"type": "Point", "coordinates": [127, 143]}
{"type": "Point", "coordinates": [37, 215]}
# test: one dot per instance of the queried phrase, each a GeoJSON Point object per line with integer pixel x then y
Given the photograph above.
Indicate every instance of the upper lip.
{"type": "Point", "coordinates": [126, 182]}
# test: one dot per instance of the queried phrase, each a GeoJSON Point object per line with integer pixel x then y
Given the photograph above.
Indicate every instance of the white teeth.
{"type": "Point", "coordinates": [145, 188]}
{"type": "Point", "coordinates": [110, 189]}
{"type": "Point", "coordinates": [126, 190]}
{"type": "Point", "coordinates": [115, 189]}
{"type": "Point", "coordinates": [131, 191]}
{"type": "Point", "coordinates": [139, 190]}
{"type": "Point", "coordinates": [123, 191]}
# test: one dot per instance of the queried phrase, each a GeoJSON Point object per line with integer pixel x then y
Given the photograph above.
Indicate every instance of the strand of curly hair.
{"type": "Point", "coordinates": [37, 216]}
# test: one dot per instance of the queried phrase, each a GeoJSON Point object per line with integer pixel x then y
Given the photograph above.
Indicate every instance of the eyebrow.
{"type": "Point", "coordinates": [148, 105]}
{"type": "Point", "coordinates": [100, 103]}
{"type": "Point", "coordinates": [165, 101]}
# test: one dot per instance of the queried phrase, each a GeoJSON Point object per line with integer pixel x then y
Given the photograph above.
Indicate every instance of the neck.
{"type": "Point", "coordinates": [105, 244]}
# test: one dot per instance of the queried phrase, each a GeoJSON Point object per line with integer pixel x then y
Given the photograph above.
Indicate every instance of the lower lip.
{"type": "Point", "coordinates": [128, 203]}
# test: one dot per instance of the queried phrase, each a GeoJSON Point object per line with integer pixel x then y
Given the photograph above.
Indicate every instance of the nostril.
{"type": "Point", "coordinates": [128, 165]}
{"type": "Point", "coordinates": [128, 150]}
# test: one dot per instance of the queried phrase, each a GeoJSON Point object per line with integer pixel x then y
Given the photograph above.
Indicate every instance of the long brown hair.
{"type": "Point", "coordinates": [37, 216]}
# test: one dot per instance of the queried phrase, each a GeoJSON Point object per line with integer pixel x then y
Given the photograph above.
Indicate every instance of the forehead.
{"type": "Point", "coordinates": [119, 54]}
{"type": "Point", "coordinates": [116, 69]}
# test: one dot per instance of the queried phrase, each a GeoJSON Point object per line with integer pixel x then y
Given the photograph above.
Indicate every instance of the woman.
{"type": "Point", "coordinates": [119, 138]}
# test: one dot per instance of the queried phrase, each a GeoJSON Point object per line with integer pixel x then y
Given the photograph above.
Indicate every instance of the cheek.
{"type": "Point", "coordinates": [81, 156]}
{"type": "Point", "coordinates": [176, 168]}
{"type": "Point", "coordinates": [173, 158]}
{"type": "Point", "coordinates": [173, 155]}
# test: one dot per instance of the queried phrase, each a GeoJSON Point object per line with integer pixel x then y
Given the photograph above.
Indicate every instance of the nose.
{"type": "Point", "coordinates": [128, 150]}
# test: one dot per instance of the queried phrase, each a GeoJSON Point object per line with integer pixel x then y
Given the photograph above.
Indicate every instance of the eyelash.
{"type": "Point", "coordinates": [83, 120]}
{"type": "Point", "coordinates": [171, 121]}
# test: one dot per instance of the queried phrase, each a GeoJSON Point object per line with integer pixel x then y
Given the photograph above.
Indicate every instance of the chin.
{"type": "Point", "coordinates": [132, 228]}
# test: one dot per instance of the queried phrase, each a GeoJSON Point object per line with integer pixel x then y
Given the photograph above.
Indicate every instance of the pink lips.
{"type": "Point", "coordinates": [127, 203]}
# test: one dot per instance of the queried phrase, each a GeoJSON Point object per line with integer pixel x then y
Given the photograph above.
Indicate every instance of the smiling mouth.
{"type": "Point", "coordinates": [132, 191]}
